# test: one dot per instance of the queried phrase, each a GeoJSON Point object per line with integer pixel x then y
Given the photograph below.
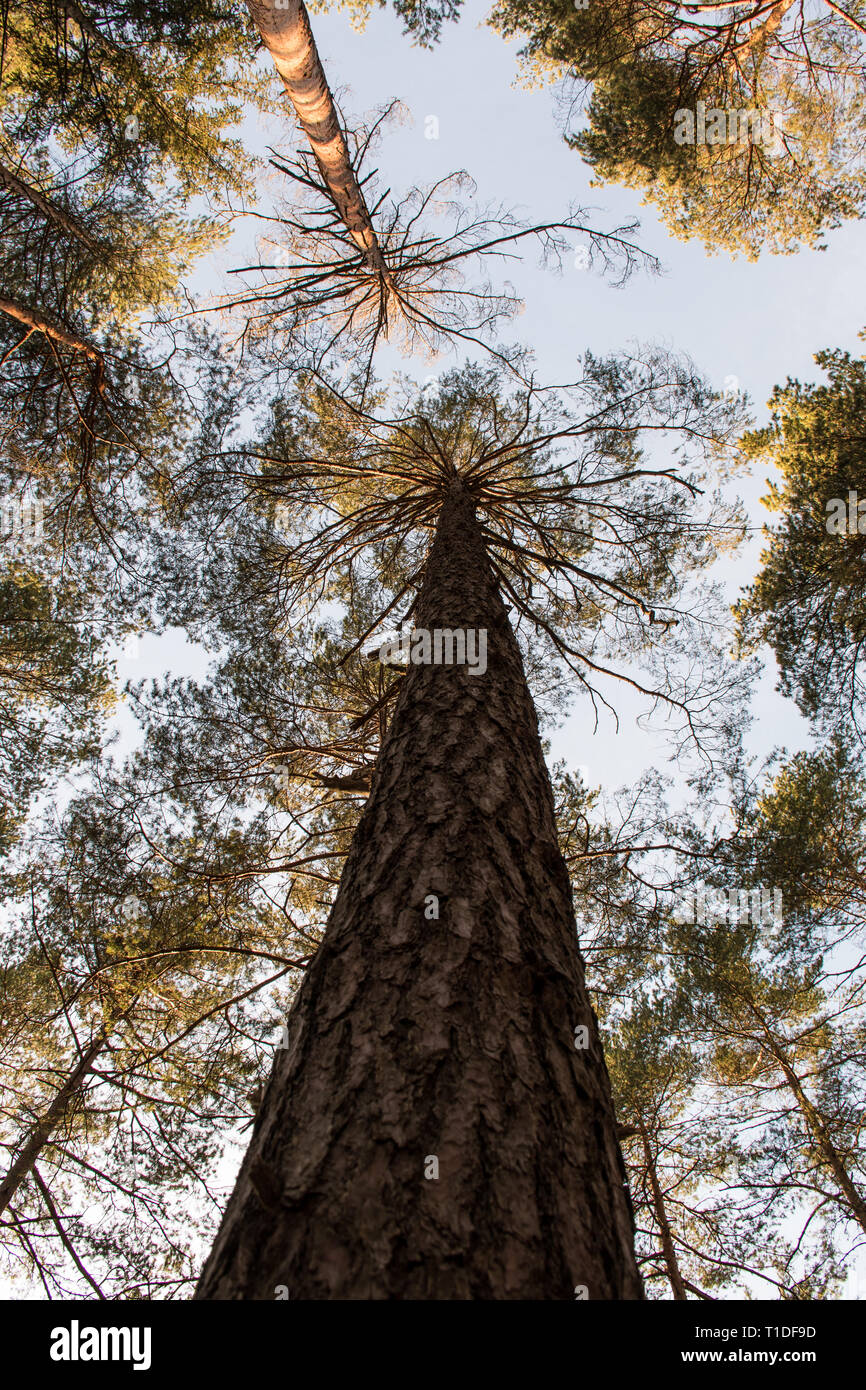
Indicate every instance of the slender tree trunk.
{"type": "Point", "coordinates": [766, 30]}
{"type": "Point", "coordinates": [45, 1127]}
{"type": "Point", "coordinates": [85, 23]}
{"type": "Point", "coordinates": [435, 1128]}
{"type": "Point", "coordinates": [38, 321]}
{"type": "Point", "coordinates": [815, 1122]}
{"type": "Point", "coordinates": [289, 40]}
{"type": "Point", "coordinates": [672, 1264]}
{"type": "Point", "coordinates": [818, 1129]}
{"type": "Point", "coordinates": [48, 209]}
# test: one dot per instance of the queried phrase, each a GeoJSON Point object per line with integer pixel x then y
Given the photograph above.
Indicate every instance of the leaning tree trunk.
{"type": "Point", "coordinates": [39, 322]}
{"type": "Point", "coordinates": [49, 210]}
{"type": "Point", "coordinates": [43, 1130]}
{"type": "Point", "coordinates": [433, 1130]}
{"type": "Point", "coordinates": [672, 1266]}
{"type": "Point", "coordinates": [820, 1133]}
{"type": "Point", "coordinates": [289, 39]}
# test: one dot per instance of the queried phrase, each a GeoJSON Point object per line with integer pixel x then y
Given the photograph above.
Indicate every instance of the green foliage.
{"type": "Point", "coordinates": [111, 126]}
{"type": "Point", "coordinates": [423, 19]}
{"type": "Point", "coordinates": [54, 686]}
{"type": "Point", "coordinates": [181, 71]}
{"type": "Point", "coordinates": [643, 64]}
{"type": "Point", "coordinates": [113, 943]}
{"type": "Point", "coordinates": [164, 910]}
{"type": "Point", "coordinates": [807, 600]}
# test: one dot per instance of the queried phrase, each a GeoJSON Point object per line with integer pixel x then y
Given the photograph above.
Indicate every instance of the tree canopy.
{"type": "Point", "coordinates": [807, 598]}
{"type": "Point", "coordinates": [274, 502]}
{"type": "Point", "coordinates": [737, 186]}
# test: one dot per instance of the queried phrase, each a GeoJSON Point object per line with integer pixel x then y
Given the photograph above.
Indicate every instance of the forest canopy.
{"type": "Point", "coordinates": [292, 902]}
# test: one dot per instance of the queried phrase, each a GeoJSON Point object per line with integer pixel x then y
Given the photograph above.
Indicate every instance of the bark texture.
{"type": "Point", "coordinates": [289, 40]}
{"type": "Point", "coordinates": [414, 1038]}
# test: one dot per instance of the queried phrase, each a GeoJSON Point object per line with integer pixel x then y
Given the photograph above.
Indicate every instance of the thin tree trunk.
{"type": "Point", "coordinates": [37, 320]}
{"type": "Point", "coordinates": [813, 1118]}
{"type": "Point", "coordinates": [289, 40]}
{"type": "Point", "coordinates": [672, 1264]}
{"type": "Point", "coordinates": [434, 1129]}
{"type": "Point", "coordinates": [45, 1127]}
{"type": "Point", "coordinates": [768, 28]}
{"type": "Point", "coordinates": [49, 210]}
{"type": "Point", "coordinates": [74, 12]}
{"type": "Point", "coordinates": [818, 1130]}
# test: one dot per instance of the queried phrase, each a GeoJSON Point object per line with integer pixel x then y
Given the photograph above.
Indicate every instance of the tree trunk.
{"type": "Point", "coordinates": [823, 1142]}
{"type": "Point", "coordinates": [45, 1127]}
{"type": "Point", "coordinates": [37, 321]}
{"type": "Point", "coordinates": [432, 1131]}
{"type": "Point", "coordinates": [815, 1122]}
{"type": "Point", "coordinates": [85, 23]}
{"type": "Point", "coordinates": [766, 30]}
{"type": "Point", "coordinates": [48, 209]}
{"type": "Point", "coordinates": [289, 40]}
{"type": "Point", "coordinates": [675, 1277]}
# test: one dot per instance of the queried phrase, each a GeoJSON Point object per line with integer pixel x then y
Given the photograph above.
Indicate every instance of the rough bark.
{"type": "Point", "coordinates": [289, 40]}
{"type": "Point", "coordinates": [357, 781]}
{"type": "Point", "coordinates": [413, 1038]}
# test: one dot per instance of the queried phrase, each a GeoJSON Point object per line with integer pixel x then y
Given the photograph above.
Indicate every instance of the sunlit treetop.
{"type": "Point", "coordinates": [589, 536]}
{"type": "Point", "coordinates": [423, 20]}
{"type": "Point", "coordinates": [807, 600]}
{"type": "Point", "coordinates": [747, 189]}
{"type": "Point", "coordinates": [146, 89]}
